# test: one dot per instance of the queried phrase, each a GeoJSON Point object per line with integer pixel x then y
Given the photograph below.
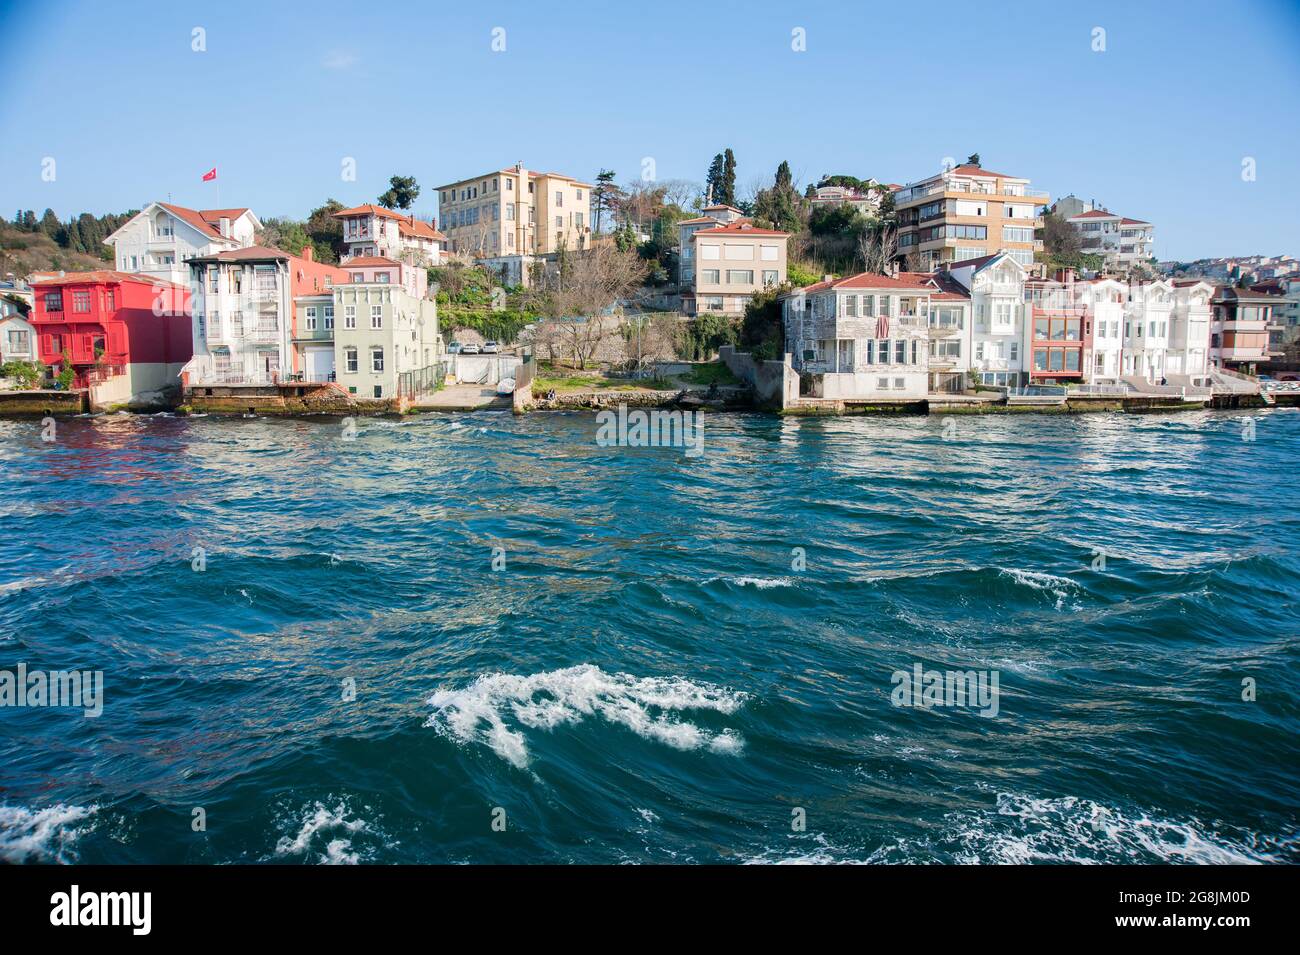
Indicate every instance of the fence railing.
{"type": "Point", "coordinates": [411, 384]}
{"type": "Point", "coordinates": [1098, 390]}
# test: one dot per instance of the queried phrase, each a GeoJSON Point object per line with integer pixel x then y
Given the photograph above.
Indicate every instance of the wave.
{"type": "Point", "coordinates": [1058, 587]}
{"type": "Point", "coordinates": [759, 583]}
{"type": "Point", "coordinates": [325, 836]}
{"type": "Point", "coordinates": [762, 583]}
{"type": "Point", "coordinates": [479, 712]}
{"type": "Point", "coordinates": [1025, 829]}
{"type": "Point", "coordinates": [42, 835]}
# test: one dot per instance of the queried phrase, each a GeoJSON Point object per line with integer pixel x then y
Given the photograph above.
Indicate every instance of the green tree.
{"type": "Point", "coordinates": [841, 220]}
{"type": "Point", "coordinates": [67, 374]}
{"type": "Point", "coordinates": [713, 180]}
{"type": "Point", "coordinates": [760, 330]}
{"type": "Point", "coordinates": [27, 374]}
{"type": "Point", "coordinates": [401, 194]}
{"type": "Point", "coordinates": [53, 228]}
{"type": "Point", "coordinates": [326, 232]}
{"type": "Point", "coordinates": [728, 195]}
{"type": "Point", "coordinates": [780, 205]}
{"type": "Point", "coordinates": [845, 182]}
{"type": "Point", "coordinates": [605, 197]}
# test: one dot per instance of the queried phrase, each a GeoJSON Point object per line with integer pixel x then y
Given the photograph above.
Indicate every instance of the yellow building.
{"type": "Point", "coordinates": [967, 212]}
{"type": "Point", "coordinates": [508, 217]}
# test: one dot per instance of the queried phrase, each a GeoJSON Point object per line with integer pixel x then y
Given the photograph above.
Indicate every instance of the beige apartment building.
{"type": "Point", "coordinates": [509, 218]}
{"type": "Point", "coordinates": [732, 261]}
{"type": "Point", "coordinates": [967, 212]}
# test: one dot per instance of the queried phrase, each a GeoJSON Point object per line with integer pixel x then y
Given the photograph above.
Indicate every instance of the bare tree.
{"type": "Point", "coordinates": [680, 192]}
{"type": "Point", "coordinates": [641, 203]}
{"type": "Point", "coordinates": [747, 194]}
{"type": "Point", "coordinates": [578, 297]}
{"type": "Point", "coordinates": [878, 247]}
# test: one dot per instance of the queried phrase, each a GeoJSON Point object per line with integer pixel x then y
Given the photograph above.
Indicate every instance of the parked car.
{"type": "Point", "coordinates": [469, 349]}
{"type": "Point", "coordinates": [453, 348]}
{"type": "Point", "coordinates": [491, 348]}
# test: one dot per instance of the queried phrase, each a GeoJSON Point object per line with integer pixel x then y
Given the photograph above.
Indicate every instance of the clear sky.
{"type": "Point", "coordinates": [1156, 127]}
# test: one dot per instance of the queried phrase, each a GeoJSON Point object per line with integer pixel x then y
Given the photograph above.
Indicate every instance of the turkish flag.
{"type": "Point", "coordinates": [210, 174]}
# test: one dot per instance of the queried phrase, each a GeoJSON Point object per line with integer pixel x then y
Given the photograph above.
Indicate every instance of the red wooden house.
{"type": "Point", "coordinates": [126, 336]}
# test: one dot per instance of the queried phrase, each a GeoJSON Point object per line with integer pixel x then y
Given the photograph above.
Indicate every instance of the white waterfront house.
{"type": "Point", "coordinates": [1146, 330]}
{"type": "Point", "coordinates": [1103, 300]}
{"type": "Point", "coordinates": [158, 240]}
{"type": "Point", "coordinates": [864, 337]}
{"type": "Point", "coordinates": [999, 327]}
{"type": "Point", "coordinates": [244, 323]}
{"type": "Point", "coordinates": [1189, 334]}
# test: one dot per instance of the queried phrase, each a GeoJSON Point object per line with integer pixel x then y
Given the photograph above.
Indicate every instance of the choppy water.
{"type": "Point", "coordinates": [651, 678]}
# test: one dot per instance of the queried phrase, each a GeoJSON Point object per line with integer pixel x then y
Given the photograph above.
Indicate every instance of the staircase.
{"type": "Point", "coordinates": [1233, 383]}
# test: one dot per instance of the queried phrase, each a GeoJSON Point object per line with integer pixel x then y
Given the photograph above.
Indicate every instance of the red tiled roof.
{"type": "Point", "coordinates": [369, 209]}
{"type": "Point", "coordinates": [1133, 222]}
{"type": "Point", "coordinates": [97, 277]}
{"type": "Point", "coordinates": [870, 280]}
{"type": "Point", "coordinates": [368, 261]}
{"type": "Point", "coordinates": [1095, 214]}
{"type": "Point", "coordinates": [252, 253]}
{"type": "Point", "coordinates": [207, 221]}
{"type": "Point", "coordinates": [420, 228]}
{"type": "Point", "coordinates": [968, 170]}
{"type": "Point", "coordinates": [741, 227]}
{"type": "Point", "coordinates": [406, 223]}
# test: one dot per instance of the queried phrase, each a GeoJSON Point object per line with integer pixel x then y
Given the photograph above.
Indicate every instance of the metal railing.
{"type": "Point", "coordinates": [1097, 390]}
{"type": "Point", "coordinates": [421, 380]}
{"type": "Point", "coordinates": [917, 192]}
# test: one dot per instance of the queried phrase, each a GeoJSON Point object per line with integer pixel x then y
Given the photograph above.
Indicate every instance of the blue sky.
{"type": "Point", "coordinates": [1156, 126]}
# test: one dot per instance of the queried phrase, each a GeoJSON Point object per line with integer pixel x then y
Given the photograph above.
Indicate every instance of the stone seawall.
{"type": "Point", "coordinates": [24, 403]}
{"type": "Point", "coordinates": [285, 400]}
{"type": "Point", "coordinates": [727, 399]}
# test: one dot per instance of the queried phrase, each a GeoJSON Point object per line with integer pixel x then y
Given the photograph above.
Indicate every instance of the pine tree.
{"type": "Point", "coordinates": [713, 181]}
{"type": "Point", "coordinates": [51, 225]}
{"type": "Point", "coordinates": [728, 193]}
{"type": "Point", "coordinates": [604, 196]}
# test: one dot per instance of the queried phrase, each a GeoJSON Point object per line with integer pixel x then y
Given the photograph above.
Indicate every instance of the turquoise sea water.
{"type": "Point", "coordinates": [654, 675]}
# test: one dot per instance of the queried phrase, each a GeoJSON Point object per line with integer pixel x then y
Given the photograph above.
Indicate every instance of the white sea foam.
{"type": "Point", "coordinates": [1058, 587]}
{"type": "Point", "coordinates": [325, 835]}
{"type": "Point", "coordinates": [763, 583]}
{"type": "Point", "coordinates": [1027, 829]}
{"type": "Point", "coordinates": [479, 712]}
{"type": "Point", "coordinates": [42, 835]}
{"type": "Point", "coordinates": [760, 583]}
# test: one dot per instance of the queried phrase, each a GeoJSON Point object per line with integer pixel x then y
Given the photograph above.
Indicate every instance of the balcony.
{"type": "Point", "coordinates": [1039, 196]}
{"type": "Point", "coordinates": [263, 334]}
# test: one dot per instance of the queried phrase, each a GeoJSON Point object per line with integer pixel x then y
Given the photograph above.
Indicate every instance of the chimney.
{"type": "Point", "coordinates": [828, 278]}
{"type": "Point", "coordinates": [224, 226]}
{"type": "Point", "coordinates": [309, 253]}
